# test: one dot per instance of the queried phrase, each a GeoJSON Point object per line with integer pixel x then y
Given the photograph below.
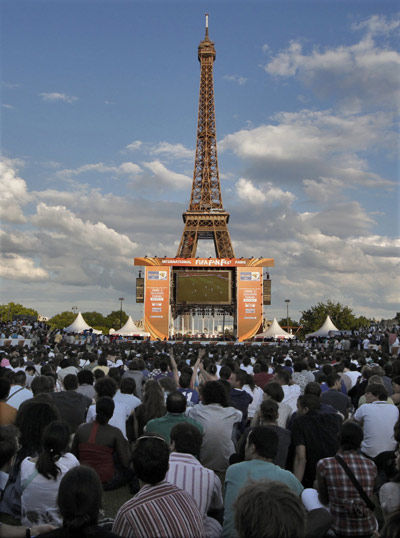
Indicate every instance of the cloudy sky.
{"type": "Point", "coordinates": [99, 112]}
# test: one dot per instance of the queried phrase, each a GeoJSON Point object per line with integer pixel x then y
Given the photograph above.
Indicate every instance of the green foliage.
{"type": "Point", "coordinates": [341, 316]}
{"type": "Point", "coordinates": [292, 323]}
{"type": "Point", "coordinates": [113, 319]}
{"type": "Point", "coordinates": [59, 321]}
{"type": "Point", "coordinates": [8, 311]}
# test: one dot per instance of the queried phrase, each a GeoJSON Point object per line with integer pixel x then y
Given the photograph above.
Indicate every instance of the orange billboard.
{"type": "Point", "coordinates": [156, 305]}
{"type": "Point", "coordinates": [249, 282]}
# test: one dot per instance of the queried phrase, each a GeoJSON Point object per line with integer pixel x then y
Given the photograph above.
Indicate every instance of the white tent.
{"type": "Point", "coordinates": [274, 331]}
{"type": "Point", "coordinates": [324, 330]}
{"type": "Point", "coordinates": [79, 325]}
{"type": "Point", "coordinates": [130, 329]}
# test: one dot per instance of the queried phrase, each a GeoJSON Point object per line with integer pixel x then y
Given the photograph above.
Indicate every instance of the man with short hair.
{"type": "Point", "coordinates": [269, 509]}
{"type": "Point", "coordinates": [18, 392]}
{"type": "Point", "coordinates": [135, 373]}
{"type": "Point", "coordinates": [160, 509]}
{"type": "Point", "coordinates": [176, 407]}
{"type": "Point", "coordinates": [240, 398]}
{"type": "Point", "coordinates": [315, 435]}
{"type": "Point", "coordinates": [334, 397]}
{"type": "Point", "coordinates": [261, 449]}
{"type": "Point", "coordinates": [107, 386]}
{"type": "Point", "coordinates": [186, 472]}
{"type": "Point", "coordinates": [377, 418]}
{"type": "Point", "coordinates": [72, 405]}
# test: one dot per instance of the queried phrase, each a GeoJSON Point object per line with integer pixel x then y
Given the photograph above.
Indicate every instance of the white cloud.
{"type": "Point", "coordinates": [135, 145]}
{"type": "Point", "coordinates": [15, 267]}
{"type": "Point", "coordinates": [167, 177]}
{"type": "Point", "coordinates": [323, 190]}
{"type": "Point", "coordinates": [378, 25]}
{"type": "Point", "coordinates": [236, 78]}
{"type": "Point", "coordinates": [56, 96]}
{"type": "Point", "coordinates": [357, 75]}
{"type": "Point", "coordinates": [175, 151]}
{"type": "Point", "coordinates": [269, 195]}
{"type": "Point", "coordinates": [13, 192]}
{"type": "Point", "coordinates": [316, 144]}
{"type": "Point", "coordinates": [343, 220]}
{"type": "Point", "coordinates": [126, 168]}
{"type": "Point", "coordinates": [9, 107]}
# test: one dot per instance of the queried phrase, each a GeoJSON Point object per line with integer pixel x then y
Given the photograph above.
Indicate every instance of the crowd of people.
{"type": "Point", "coordinates": [213, 441]}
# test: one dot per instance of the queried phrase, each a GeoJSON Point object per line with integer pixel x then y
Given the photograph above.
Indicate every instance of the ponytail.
{"type": "Point", "coordinates": [55, 442]}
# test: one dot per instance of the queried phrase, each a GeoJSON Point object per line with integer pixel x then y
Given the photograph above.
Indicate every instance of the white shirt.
{"type": "Point", "coordinates": [291, 395]}
{"type": "Point", "coordinates": [217, 422]}
{"type": "Point", "coordinates": [39, 494]}
{"type": "Point", "coordinates": [378, 420]}
{"type": "Point", "coordinates": [18, 395]}
{"type": "Point", "coordinates": [120, 415]}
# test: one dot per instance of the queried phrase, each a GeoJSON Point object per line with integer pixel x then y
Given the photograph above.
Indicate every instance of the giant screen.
{"type": "Point", "coordinates": [204, 287]}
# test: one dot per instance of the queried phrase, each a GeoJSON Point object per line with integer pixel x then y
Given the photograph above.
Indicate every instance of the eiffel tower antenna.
{"type": "Point", "coordinates": [206, 217]}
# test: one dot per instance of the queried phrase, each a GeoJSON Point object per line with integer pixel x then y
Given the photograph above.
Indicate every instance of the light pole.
{"type": "Point", "coordinates": [120, 313]}
{"type": "Point", "coordinates": [287, 301]}
{"type": "Point", "coordinates": [74, 309]}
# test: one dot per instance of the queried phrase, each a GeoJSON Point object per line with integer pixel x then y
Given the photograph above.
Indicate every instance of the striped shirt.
{"type": "Point", "coordinates": [160, 511]}
{"type": "Point", "coordinates": [186, 472]}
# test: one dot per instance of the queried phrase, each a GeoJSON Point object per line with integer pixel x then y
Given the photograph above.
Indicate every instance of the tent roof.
{"type": "Point", "coordinates": [275, 331]}
{"type": "Point", "coordinates": [325, 329]}
{"type": "Point", "coordinates": [130, 329]}
{"type": "Point", "coordinates": [79, 325]}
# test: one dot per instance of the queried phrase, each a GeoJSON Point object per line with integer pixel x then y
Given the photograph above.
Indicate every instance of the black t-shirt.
{"type": "Point", "coordinates": [319, 433]}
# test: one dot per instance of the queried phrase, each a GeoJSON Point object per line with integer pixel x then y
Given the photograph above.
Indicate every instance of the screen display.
{"type": "Point", "coordinates": [203, 287]}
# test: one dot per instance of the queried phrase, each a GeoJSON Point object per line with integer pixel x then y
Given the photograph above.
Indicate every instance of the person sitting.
{"type": "Point", "coordinates": [176, 407]}
{"type": "Point", "coordinates": [186, 472]}
{"type": "Point", "coordinates": [160, 508]}
{"type": "Point", "coordinates": [217, 419]}
{"type": "Point", "coordinates": [103, 447]}
{"type": "Point", "coordinates": [41, 476]}
{"type": "Point", "coordinates": [274, 391]}
{"type": "Point", "coordinates": [262, 510]}
{"type": "Point", "coordinates": [106, 386]}
{"type": "Point", "coordinates": [32, 418]}
{"type": "Point", "coordinates": [7, 412]}
{"type": "Point", "coordinates": [350, 514]}
{"type": "Point", "coordinates": [79, 502]}
{"type": "Point", "coordinates": [72, 405]}
{"type": "Point", "coordinates": [261, 449]}
{"type": "Point", "coordinates": [268, 416]}
{"type": "Point", "coordinates": [8, 451]}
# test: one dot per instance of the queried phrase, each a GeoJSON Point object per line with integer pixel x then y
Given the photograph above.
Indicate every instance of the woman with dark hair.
{"type": "Point", "coordinates": [217, 419]}
{"type": "Point", "coordinates": [79, 501]}
{"type": "Point", "coordinates": [256, 393]}
{"type": "Point", "coordinates": [104, 447]}
{"type": "Point", "coordinates": [32, 418]}
{"type": "Point", "coordinates": [152, 406]}
{"type": "Point", "coordinates": [41, 476]}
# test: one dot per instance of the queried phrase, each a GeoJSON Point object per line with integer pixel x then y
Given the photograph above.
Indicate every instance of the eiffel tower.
{"type": "Point", "coordinates": [206, 217]}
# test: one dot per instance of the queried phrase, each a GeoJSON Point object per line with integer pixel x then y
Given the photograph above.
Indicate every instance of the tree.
{"type": "Point", "coordinates": [112, 321]}
{"type": "Point", "coordinates": [8, 311]}
{"type": "Point", "coordinates": [62, 320]}
{"type": "Point", "coordinates": [292, 323]}
{"type": "Point", "coordinates": [341, 316]}
{"type": "Point", "coordinates": [94, 319]}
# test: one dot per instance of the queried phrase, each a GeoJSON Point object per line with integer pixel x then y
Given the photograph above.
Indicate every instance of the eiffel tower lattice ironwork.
{"type": "Point", "coordinates": [206, 217]}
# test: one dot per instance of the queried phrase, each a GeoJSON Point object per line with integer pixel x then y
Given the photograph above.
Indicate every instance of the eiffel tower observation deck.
{"type": "Point", "coordinates": [206, 217]}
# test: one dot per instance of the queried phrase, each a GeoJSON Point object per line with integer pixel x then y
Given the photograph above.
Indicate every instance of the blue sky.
{"type": "Point", "coordinates": [99, 112]}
